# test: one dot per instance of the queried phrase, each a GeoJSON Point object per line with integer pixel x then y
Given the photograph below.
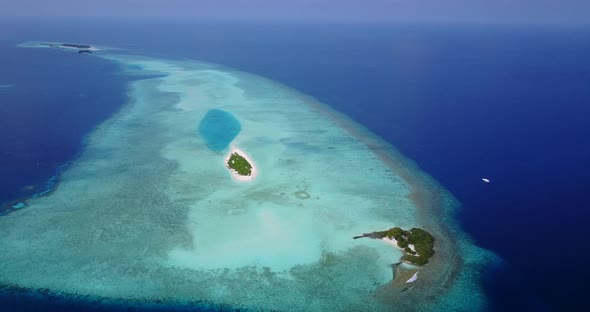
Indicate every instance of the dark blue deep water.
{"type": "Point", "coordinates": [511, 104]}
{"type": "Point", "coordinates": [55, 99]}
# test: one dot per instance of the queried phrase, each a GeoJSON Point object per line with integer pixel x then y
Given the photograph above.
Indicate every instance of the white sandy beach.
{"type": "Point", "coordinates": [393, 242]}
{"type": "Point", "coordinates": [413, 278]}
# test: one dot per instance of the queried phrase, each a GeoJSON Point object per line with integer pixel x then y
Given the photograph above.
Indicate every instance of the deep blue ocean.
{"type": "Point", "coordinates": [51, 105]}
{"type": "Point", "coordinates": [508, 103]}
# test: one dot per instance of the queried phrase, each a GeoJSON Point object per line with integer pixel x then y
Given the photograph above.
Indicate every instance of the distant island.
{"type": "Point", "coordinates": [68, 45]}
{"type": "Point", "coordinates": [77, 46]}
{"type": "Point", "coordinates": [240, 165]}
{"type": "Point", "coordinates": [417, 243]}
{"type": "Point", "coordinates": [82, 48]}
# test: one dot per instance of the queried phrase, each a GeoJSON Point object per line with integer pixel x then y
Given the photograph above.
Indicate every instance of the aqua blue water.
{"type": "Point", "coordinates": [507, 103]}
{"type": "Point", "coordinates": [219, 128]}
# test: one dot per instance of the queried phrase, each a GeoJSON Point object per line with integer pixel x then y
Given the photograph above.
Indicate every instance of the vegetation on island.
{"type": "Point", "coordinates": [238, 163]}
{"type": "Point", "coordinates": [422, 241]}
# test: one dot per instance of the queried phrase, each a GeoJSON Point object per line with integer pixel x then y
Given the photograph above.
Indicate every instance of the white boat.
{"type": "Point", "coordinates": [485, 180]}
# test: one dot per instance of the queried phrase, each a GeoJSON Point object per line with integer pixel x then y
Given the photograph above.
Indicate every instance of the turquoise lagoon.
{"type": "Point", "coordinates": [148, 212]}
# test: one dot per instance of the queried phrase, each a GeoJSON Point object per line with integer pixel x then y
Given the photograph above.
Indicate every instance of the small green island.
{"type": "Point", "coordinates": [238, 163]}
{"type": "Point", "coordinates": [418, 244]}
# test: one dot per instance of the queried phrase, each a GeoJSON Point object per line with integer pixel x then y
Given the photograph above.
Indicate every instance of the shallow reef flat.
{"type": "Point", "coordinates": [150, 213]}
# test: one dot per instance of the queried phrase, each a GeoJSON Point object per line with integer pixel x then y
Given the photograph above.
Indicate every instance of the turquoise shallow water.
{"type": "Point", "coordinates": [219, 128]}
{"type": "Point", "coordinates": [164, 220]}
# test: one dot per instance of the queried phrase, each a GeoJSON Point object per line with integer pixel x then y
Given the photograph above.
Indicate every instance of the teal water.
{"type": "Point", "coordinates": [219, 128]}
{"type": "Point", "coordinates": [165, 210]}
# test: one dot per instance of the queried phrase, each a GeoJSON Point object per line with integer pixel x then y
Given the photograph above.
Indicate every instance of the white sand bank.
{"type": "Point", "coordinates": [413, 278]}
{"type": "Point", "coordinates": [391, 241]}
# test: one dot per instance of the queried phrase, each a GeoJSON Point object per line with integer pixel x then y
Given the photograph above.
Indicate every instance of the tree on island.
{"type": "Point", "coordinates": [238, 163]}
{"type": "Point", "coordinates": [422, 241]}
